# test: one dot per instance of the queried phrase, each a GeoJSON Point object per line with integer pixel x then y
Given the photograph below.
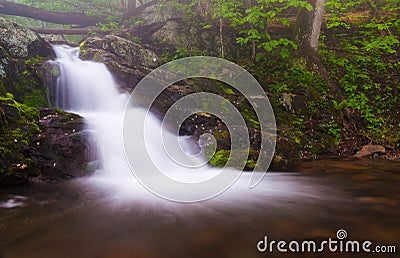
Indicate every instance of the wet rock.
{"type": "Point", "coordinates": [64, 148]}
{"type": "Point", "coordinates": [22, 54]}
{"type": "Point", "coordinates": [369, 150]}
{"type": "Point", "coordinates": [45, 145]}
{"type": "Point", "coordinates": [58, 40]}
{"type": "Point", "coordinates": [19, 41]}
{"type": "Point", "coordinates": [129, 62]}
{"type": "Point", "coordinates": [18, 128]}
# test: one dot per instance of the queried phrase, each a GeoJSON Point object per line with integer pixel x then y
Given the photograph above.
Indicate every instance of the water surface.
{"type": "Point", "coordinates": [75, 219]}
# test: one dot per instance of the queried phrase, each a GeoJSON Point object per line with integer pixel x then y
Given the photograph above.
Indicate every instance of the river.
{"type": "Point", "coordinates": [75, 220]}
{"type": "Point", "coordinates": [111, 215]}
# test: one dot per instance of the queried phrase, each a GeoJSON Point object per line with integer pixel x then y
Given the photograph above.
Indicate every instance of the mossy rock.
{"type": "Point", "coordinates": [22, 55]}
{"type": "Point", "coordinates": [19, 127]}
{"type": "Point", "coordinates": [47, 144]}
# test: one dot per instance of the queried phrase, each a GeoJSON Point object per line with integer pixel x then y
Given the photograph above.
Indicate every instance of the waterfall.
{"type": "Point", "coordinates": [88, 89]}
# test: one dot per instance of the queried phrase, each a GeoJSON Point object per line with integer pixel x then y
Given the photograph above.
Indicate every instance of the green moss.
{"type": "Point", "coordinates": [250, 117]}
{"type": "Point", "coordinates": [36, 98]}
{"type": "Point", "coordinates": [223, 139]}
{"type": "Point", "coordinates": [225, 88]}
{"type": "Point", "coordinates": [250, 164]}
{"type": "Point", "coordinates": [298, 137]}
{"type": "Point", "coordinates": [18, 132]}
{"type": "Point", "coordinates": [220, 158]}
{"type": "Point", "coordinates": [26, 86]}
{"type": "Point", "coordinates": [60, 111]}
{"type": "Point", "coordinates": [35, 60]}
{"type": "Point", "coordinates": [26, 112]}
{"type": "Point", "coordinates": [31, 92]}
{"type": "Point", "coordinates": [82, 47]}
{"type": "Point", "coordinates": [55, 71]}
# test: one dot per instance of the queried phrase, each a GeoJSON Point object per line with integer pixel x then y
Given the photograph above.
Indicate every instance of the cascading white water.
{"type": "Point", "coordinates": [88, 88]}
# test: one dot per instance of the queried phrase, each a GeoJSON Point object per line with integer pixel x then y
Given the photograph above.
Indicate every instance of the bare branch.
{"type": "Point", "coordinates": [73, 31]}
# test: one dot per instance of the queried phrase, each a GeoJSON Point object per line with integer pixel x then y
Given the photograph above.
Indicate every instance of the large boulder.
{"type": "Point", "coordinates": [129, 62]}
{"type": "Point", "coordinates": [22, 54]}
{"type": "Point", "coordinates": [155, 14]}
{"type": "Point", "coordinates": [179, 39]}
{"type": "Point", "coordinates": [65, 148]}
{"type": "Point", "coordinates": [18, 127]}
{"type": "Point", "coordinates": [46, 145]}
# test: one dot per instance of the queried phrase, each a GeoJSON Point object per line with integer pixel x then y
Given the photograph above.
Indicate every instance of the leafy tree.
{"type": "Point", "coordinates": [252, 19]}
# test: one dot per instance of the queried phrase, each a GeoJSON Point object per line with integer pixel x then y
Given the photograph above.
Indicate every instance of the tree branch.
{"type": "Point", "coordinates": [73, 18]}
{"type": "Point", "coordinates": [73, 31]}
{"type": "Point", "coordinates": [76, 18]}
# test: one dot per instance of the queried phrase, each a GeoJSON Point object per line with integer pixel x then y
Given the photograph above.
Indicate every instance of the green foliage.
{"type": "Point", "coordinates": [295, 76]}
{"type": "Point", "coordinates": [254, 22]}
{"type": "Point", "coordinates": [251, 20]}
{"type": "Point", "coordinates": [334, 130]}
{"type": "Point", "coordinates": [181, 53]}
{"type": "Point", "coordinates": [364, 64]}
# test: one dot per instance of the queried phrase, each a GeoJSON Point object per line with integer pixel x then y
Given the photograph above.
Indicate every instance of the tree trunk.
{"type": "Point", "coordinates": [133, 10]}
{"type": "Point", "coordinates": [72, 18]}
{"type": "Point", "coordinates": [307, 33]}
{"type": "Point", "coordinates": [131, 4]}
{"type": "Point", "coordinates": [308, 26]}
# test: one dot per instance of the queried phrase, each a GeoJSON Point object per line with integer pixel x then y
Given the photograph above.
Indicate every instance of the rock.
{"type": "Point", "coordinates": [49, 144]}
{"type": "Point", "coordinates": [18, 129]}
{"type": "Point", "coordinates": [156, 14]}
{"type": "Point", "coordinates": [57, 40]}
{"type": "Point", "coordinates": [180, 39]}
{"type": "Point", "coordinates": [369, 150]}
{"type": "Point", "coordinates": [171, 33]}
{"type": "Point", "coordinates": [19, 41]}
{"type": "Point", "coordinates": [129, 62]}
{"type": "Point", "coordinates": [22, 53]}
{"type": "Point", "coordinates": [65, 148]}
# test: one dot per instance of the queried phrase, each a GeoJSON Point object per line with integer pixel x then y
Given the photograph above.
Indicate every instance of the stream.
{"type": "Point", "coordinates": [75, 220]}
{"type": "Point", "coordinates": [111, 215]}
